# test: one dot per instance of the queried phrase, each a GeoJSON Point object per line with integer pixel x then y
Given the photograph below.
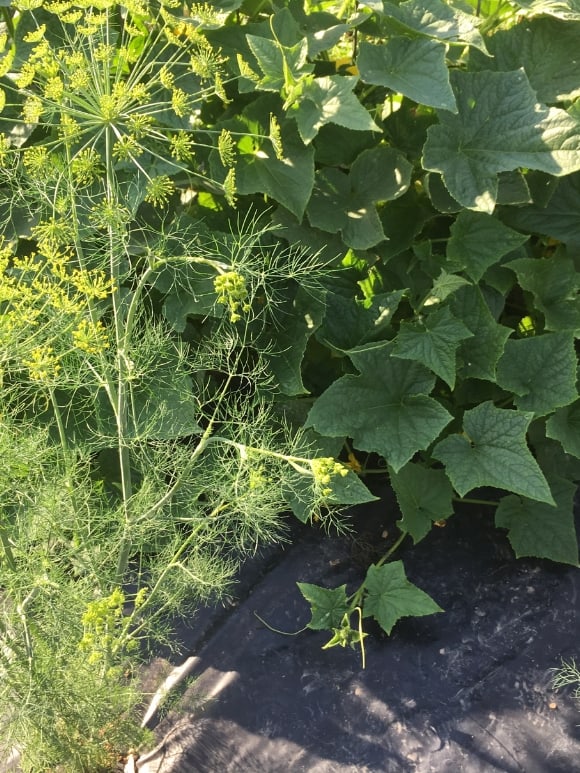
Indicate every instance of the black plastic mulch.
{"type": "Point", "coordinates": [467, 690]}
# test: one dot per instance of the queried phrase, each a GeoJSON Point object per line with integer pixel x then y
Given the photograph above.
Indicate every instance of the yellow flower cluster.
{"type": "Point", "coordinates": [43, 365]}
{"type": "Point", "coordinates": [90, 337]}
{"type": "Point", "coordinates": [232, 292]}
{"type": "Point", "coordinates": [100, 621]}
{"type": "Point", "coordinates": [324, 469]}
{"type": "Point", "coordinates": [46, 311]}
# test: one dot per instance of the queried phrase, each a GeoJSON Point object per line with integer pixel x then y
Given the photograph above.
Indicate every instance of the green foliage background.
{"type": "Point", "coordinates": [271, 228]}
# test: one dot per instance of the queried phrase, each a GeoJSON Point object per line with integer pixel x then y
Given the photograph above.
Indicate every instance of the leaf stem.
{"type": "Point", "coordinates": [475, 501]}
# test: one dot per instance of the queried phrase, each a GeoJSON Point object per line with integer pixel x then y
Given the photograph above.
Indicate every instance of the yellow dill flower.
{"type": "Point", "coordinates": [109, 214]}
{"type": "Point", "coordinates": [158, 190]}
{"type": "Point", "coordinates": [70, 17]}
{"type": "Point", "coordinates": [276, 137]}
{"type": "Point", "coordinates": [4, 149]}
{"type": "Point", "coordinates": [54, 88]}
{"type": "Point", "coordinates": [167, 78]}
{"type": "Point", "coordinates": [69, 129]}
{"type": "Point", "coordinates": [126, 147]}
{"type": "Point", "coordinates": [180, 102]}
{"type": "Point", "coordinates": [79, 79]}
{"type": "Point", "coordinates": [229, 187]}
{"type": "Point", "coordinates": [32, 109]}
{"type": "Point", "coordinates": [86, 166]}
{"type": "Point", "coordinates": [232, 291]}
{"type": "Point", "coordinates": [139, 125]}
{"type": "Point", "coordinates": [110, 107]}
{"type": "Point", "coordinates": [139, 93]}
{"type": "Point", "coordinates": [43, 365]}
{"type": "Point", "coordinates": [74, 59]}
{"type": "Point", "coordinates": [220, 89]}
{"type": "Point", "coordinates": [53, 233]}
{"type": "Point", "coordinates": [36, 160]}
{"type": "Point", "coordinates": [25, 76]}
{"type": "Point", "coordinates": [226, 148]}
{"type": "Point", "coordinates": [90, 337]}
{"type": "Point", "coordinates": [6, 64]}
{"type": "Point", "coordinates": [58, 262]}
{"type": "Point", "coordinates": [181, 146]}
{"type": "Point", "coordinates": [27, 263]}
{"type": "Point", "coordinates": [92, 283]}
{"type": "Point", "coordinates": [34, 36]}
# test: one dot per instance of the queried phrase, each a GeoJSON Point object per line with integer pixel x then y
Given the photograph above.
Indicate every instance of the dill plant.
{"type": "Point", "coordinates": [141, 459]}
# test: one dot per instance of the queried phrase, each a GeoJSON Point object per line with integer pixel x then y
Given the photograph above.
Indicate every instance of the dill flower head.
{"type": "Point", "coordinates": [121, 90]}
{"type": "Point", "coordinates": [42, 364]}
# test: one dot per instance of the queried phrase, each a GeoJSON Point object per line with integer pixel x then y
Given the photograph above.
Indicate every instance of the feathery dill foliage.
{"type": "Point", "coordinates": [141, 455]}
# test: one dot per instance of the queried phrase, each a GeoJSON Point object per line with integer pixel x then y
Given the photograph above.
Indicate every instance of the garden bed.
{"type": "Point", "coordinates": [470, 689]}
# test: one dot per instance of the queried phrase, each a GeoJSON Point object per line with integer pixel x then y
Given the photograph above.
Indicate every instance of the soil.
{"type": "Point", "coordinates": [467, 690]}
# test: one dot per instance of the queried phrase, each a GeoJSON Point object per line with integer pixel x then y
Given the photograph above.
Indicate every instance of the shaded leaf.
{"type": "Point", "coordinates": [492, 451]}
{"type": "Point", "coordinates": [328, 605]}
{"type": "Point", "coordinates": [434, 19]}
{"type": "Point", "coordinates": [349, 322]}
{"type": "Point", "coordinates": [554, 283]}
{"type": "Point", "coordinates": [546, 48]}
{"type": "Point", "coordinates": [499, 127]}
{"type": "Point", "coordinates": [433, 342]}
{"type": "Point", "coordinates": [564, 426]}
{"type": "Point", "coordinates": [384, 409]}
{"type": "Point", "coordinates": [390, 596]}
{"type": "Point", "coordinates": [424, 495]}
{"type": "Point", "coordinates": [556, 217]}
{"type": "Point", "coordinates": [478, 241]}
{"type": "Point", "coordinates": [345, 202]}
{"type": "Point", "coordinates": [284, 348]}
{"type": "Point", "coordinates": [541, 371]}
{"type": "Point", "coordinates": [540, 530]}
{"type": "Point", "coordinates": [414, 67]}
{"type": "Point", "coordinates": [479, 355]}
{"type": "Point", "coordinates": [330, 100]}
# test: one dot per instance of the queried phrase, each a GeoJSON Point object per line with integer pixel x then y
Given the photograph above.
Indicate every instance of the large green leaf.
{"type": "Point", "coordinates": [564, 425]}
{"type": "Point", "coordinates": [288, 180]}
{"type": "Point", "coordinates": [390, 596]}
{"type": "Point", "coordinates": [433, 342]}
{"type": "Point", "coordinates": [554, 283]}
{"type": "Point", "coordinates": [557, 217]}
{"type": "Point", "coordinates": [492, 451]}
{"type": "Point", "coordinates": [330, 99]}
{"type": "Point", "coordinates": [350, 322]}
{"type": "Point", "coordinates": [284, 347]}
{"type": "Point", "coordinates": [561, 9]}
{"type": "Point", "coordinates": [384, 409]}
{"type": "Point", "coordinates": [402, 220]}
{"type": "Point", "coordinates": [541, 371]}
{"type": "Point", "coordinates": [434, 19]}
{"type": "Point", "coordinates": [328, 605]}
{"type": "Point", "coordinates": [424, 496]}
{"type": "Point", "coordinates": [478, 241]}
{"type": "Point", "coordinates": [414, 67]}
{"type": "Point", "coordinates": [160, 406]}
{"type": "Point", "coordinates": [499, 127]}
{"type": "Point", "coordinates": [540, 530]}
{"type": "Point", "coordinates": [546, 48]}
{"type": "Point", "coordinates": [345, 202]}
{"type": "Point", "coordinates": [280, 65]}
{"type": "Point", "coordinates": [479, 355]}
{"type": "Point", "coordinates": [445, 285]}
